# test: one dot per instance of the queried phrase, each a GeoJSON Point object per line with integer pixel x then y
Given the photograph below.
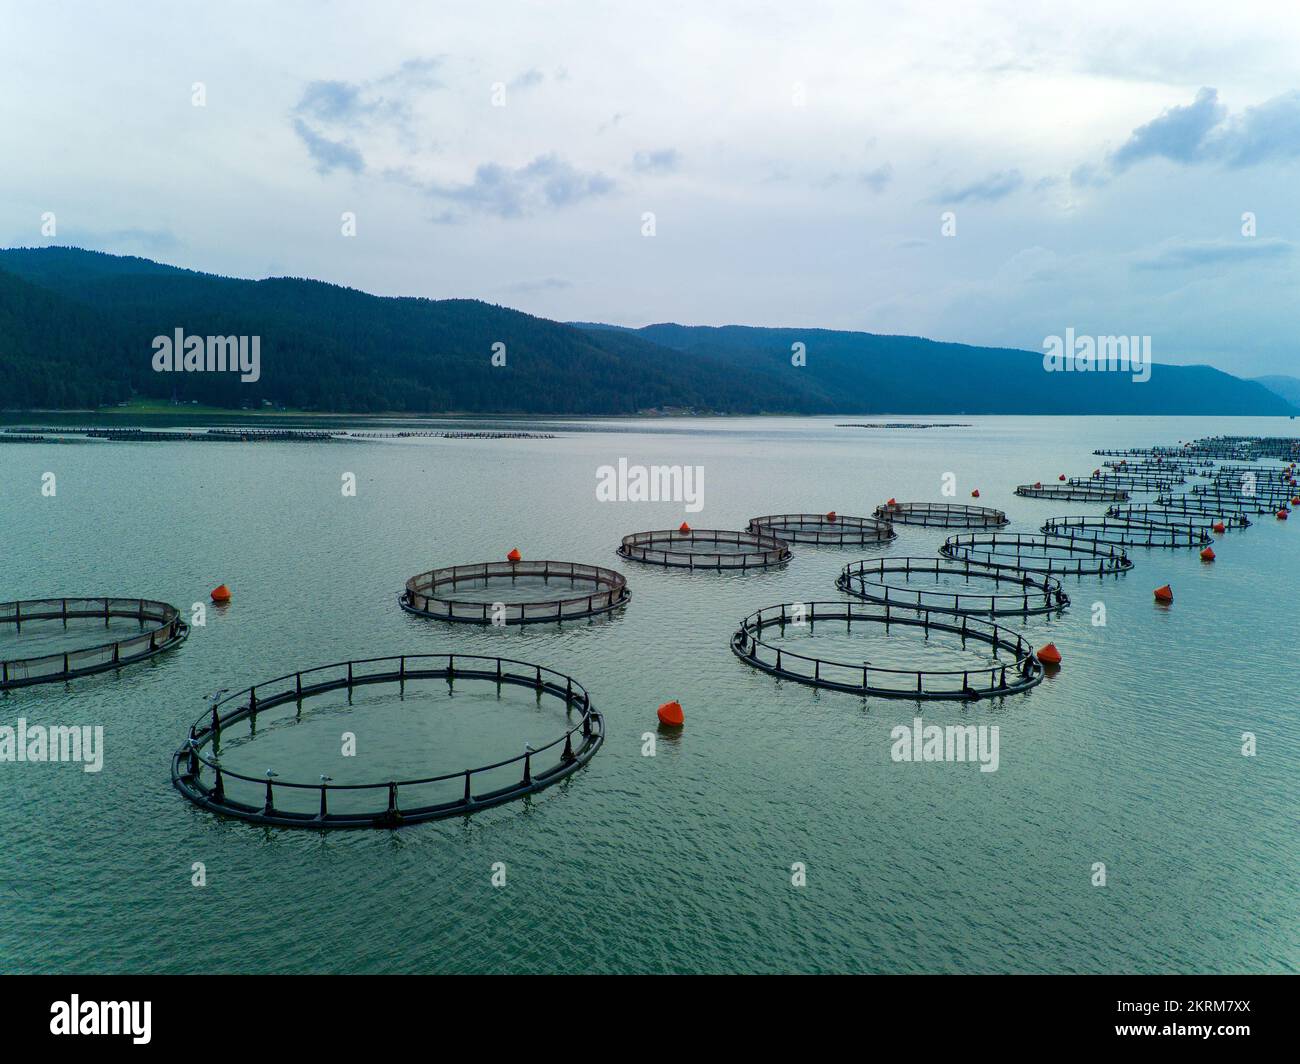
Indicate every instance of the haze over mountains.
{"type": "Point", "coordinates": [76, 331]}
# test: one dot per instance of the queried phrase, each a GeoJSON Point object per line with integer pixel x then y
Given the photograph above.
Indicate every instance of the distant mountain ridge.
{"type": "Point", "coordinates": [1287, 387]}
{"type": "Point", "coordinates": [76, 329]}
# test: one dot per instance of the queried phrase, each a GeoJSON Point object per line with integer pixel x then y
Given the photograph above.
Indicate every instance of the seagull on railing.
{"type": "Point", "coordinates": [215, 697]}
{"type": "Point", "coordinates": [326, 779]}
{"type": "Point", "coordinates": [270, 774]}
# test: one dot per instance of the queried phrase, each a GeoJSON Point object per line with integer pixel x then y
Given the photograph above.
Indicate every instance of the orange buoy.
{"type": "Point", "coordinates": [1165, 594]}
{"type": "Point", "coordinates": [1049, 655]}
{"type": "Point", "coordinates": [1037, 484]}
{"type": "Point", "coordinates": [514, 555]}
{"type": "Point", "coordinates": [1207, 555]}
{"type": "Point", "coordinates": [670, 714]}
{"type": "Point", "coordinates": [221, 594]}
{"type": "Point", "coordinates": [683, 528]}
{"type": "Point", "coordinates": [892, 502]}
{"type": "Point", "coordinates": [1281, 514]}
{"type": "Point", "coordinates": [831, 516]}
{"type": "Point", "coordinates": [1219, 527]}
{"type": "Point", "coordinates": [1295, 500]}
{"type": "Point", "coordinates": [1061, 477]}
{"type": "Point", "coordinates": [975, 494]}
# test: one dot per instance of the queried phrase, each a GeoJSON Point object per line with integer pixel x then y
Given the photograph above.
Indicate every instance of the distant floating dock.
{"type": "Point", "coordinates": [237, 435]}
{"type": "Point", "coordinates": [903, 425]}
{"type": "Point", "coordinates": [449, 435]}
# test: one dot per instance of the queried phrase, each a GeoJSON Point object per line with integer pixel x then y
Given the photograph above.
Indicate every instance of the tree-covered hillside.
{"type": "Point", "coordinates": [77, 327]}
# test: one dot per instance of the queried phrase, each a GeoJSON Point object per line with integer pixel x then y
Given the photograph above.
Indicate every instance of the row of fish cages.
{"type": "Point", "coordinates": [1248, 448]}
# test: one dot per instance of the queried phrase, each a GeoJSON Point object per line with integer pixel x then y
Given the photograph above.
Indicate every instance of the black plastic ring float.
{"type": "Point", "coordinates": [830, 529]}
{"type": "Point", "coordinates": [1171, 514]}
{"type": "Point", "coordinates": [941, 515]}
{"type": "Point", "coordinates": [1127, 532]}
{"type": "Point", "coordinates": [192, 769]}
{"type": "Point", "coordinates": [1130, 481]}
{"type": "Point", "coordinates": [673, 548]}
{"type": "Point", "coordinates": [1218, 504]}
{"type": "Point", "coordinates": [433, 593]}
{"type": "Point", "coordinates": [1030, 553]}
{"type": "Point", "coordinates": [1032, 594]}
{"type": "Point", "coordinates": [863, 678]}
{"type": "Point", "coordinates": [1073, 492]}
{"type": "Point", "coordinates": [164, 630]}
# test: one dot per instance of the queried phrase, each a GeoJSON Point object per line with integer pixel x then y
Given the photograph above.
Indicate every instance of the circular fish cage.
{"type": "Point", "coordinates": [1073, 492]}
{"type": "Point", "coordinates": [159, 628]}
{"type": "Point", "coordinates": [941, 515]}
{"type": "Point", "coordinates": [1130, 481]}
{"type": "Point", "coordinates": [505, 592]}
{"type": "Point", "coordinates": [896, 582]}
{"type": "Point", "coordinates": [1217, 504]}
{"type": "Point", "coordinates": [1020, 673]}
{"type": "Point", "coordinates": [1126, 533]}
{"type": "Point", "coordinates": [705, 548]}
{"type": "Point", "coordinates": [834, 530]}
{"type": "Point", "coordinates": [1038, 554]}
{"type": "Point", "coordinates": [201, 778]}
{"type": "Point", "coordinates": [1171, 514]}
{"type": "Point", "coordinates": [1260, 502]}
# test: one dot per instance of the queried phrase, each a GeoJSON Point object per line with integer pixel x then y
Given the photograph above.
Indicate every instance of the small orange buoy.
{"type": "Point", "coordinates": [1049, 655]}
{"type": "Point", "coordinates": [221, 594]}
{"type": "Point", "coordinates": [1207, 555]}
{"type": "Point", "coordinates": [670, 714]}
{"type": "Point", "coordinates": [1295, 500]}
{"type": "Point", "coordinates": [1061, 477]}
{"type": "Point", "coordinates": [975, 494]}
{"type": "Point", "coordinates": [514, 555]}
{"type": "Point", "coordinates": [1037, 484]}
{"type": "Point", "coordinates": [892, 502]}
{"type": "Point", "coordinates": [683, 528]}
{"type": "Point", "coordinates": [1281, 514]}
{"type": "Point", "coordinates": [1219, 527]}
{"type": "Point", "coordinates": [1165, 594]}
{"type": "Point", "coordinates": [831, 516]}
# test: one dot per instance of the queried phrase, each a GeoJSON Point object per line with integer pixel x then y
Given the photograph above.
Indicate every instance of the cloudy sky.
{"type": "Point", "coordinates": [797, 158]}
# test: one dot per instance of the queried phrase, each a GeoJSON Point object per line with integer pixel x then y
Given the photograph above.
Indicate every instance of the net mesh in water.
{"type": "Point", "coordinates": [159, 628]}
{"type": "Point", "coordinates": [523, 592]}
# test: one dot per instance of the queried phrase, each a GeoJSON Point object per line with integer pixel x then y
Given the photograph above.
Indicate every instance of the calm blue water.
{"type": "Point", "coordinates": [679, 862]}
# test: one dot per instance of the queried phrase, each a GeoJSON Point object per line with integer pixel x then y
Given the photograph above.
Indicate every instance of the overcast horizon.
{"type": "Point", "coordinates": [1120, 177]}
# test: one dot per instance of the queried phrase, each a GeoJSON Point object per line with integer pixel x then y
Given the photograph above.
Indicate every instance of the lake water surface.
{"type": "Point", "coordinates": [680, 862]}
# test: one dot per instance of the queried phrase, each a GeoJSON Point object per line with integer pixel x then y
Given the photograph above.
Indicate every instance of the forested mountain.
{"type": "Point", "coordinates": [76, 330]}
{"type": "Point", "coordinates": [907, 374]}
